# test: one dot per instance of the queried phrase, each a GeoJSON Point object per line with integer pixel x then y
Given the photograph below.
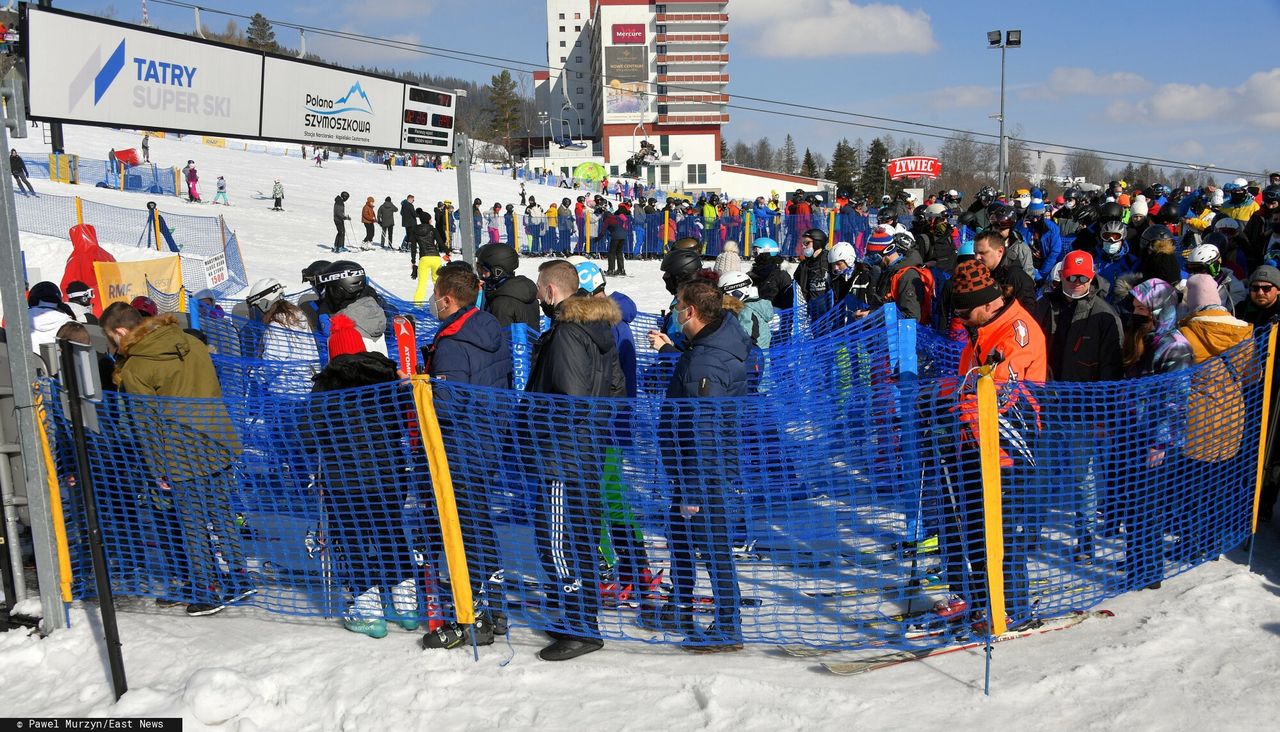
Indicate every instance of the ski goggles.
{"type": "Point", "coordinates": [1112, 236]}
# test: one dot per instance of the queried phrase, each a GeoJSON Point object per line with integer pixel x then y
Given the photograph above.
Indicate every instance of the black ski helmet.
{"type": "Point", "coordinates": [1110, 211]}
{"type": "Point", "coordinates": [314, 270]}
{"type": "Point", "coordinates": [500, 259]}
{"type": "Point", "coordinates": [345, 195]}
{"type": "Point", "coordinates": [818, 236]}
{"type": "Point", "coordinates": [679, 266]}
{"type": "Point", "coordinates": [343, 276]}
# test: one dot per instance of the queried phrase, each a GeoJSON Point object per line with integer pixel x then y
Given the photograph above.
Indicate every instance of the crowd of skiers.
{"type": "Point", "coordinates": [1082, 288]}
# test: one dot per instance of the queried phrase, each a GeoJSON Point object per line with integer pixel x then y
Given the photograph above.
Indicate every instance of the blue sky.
{"type": "Point", "coordinates": [1168, 81]}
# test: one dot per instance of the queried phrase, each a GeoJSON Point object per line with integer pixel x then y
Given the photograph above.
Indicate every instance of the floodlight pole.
{"type": "Point", "coordinates": [1004, 143]}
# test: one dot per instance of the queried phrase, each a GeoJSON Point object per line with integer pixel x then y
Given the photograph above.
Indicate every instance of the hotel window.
{"type": "Point", "coordinates": [562, 16]}
{"type": "Point", "coordinates": [562, 29]}
{"type": "Point", "coordinates": [562, 44]}
{"type": "Point", "coordinates": [664, 144]}
{"type": "Point", "coordinates": [577, 16]}
{"type": "Point", "coordinates": [664, 175]}
{"type": "Point", "coordinates": [698, 174]}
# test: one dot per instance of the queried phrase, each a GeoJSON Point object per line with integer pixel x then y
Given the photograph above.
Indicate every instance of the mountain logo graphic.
{"type": "Point", "coordinates": [97, 74]}
{"type": "Point", "coordinates": [355, 100]}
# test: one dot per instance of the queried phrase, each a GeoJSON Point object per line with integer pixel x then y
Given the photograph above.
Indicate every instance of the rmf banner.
{"type": "Point", "coordinates": [123, 281]}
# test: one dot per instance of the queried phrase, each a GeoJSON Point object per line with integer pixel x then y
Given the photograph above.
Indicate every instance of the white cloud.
{"type": "Point", "coordinates": [956, 97]}
{"type": "Point", "coordinates": [823, 28]}
{"type": "Point", "coordinates": [1255, 102]}
{"type": "Point", "coordinates": [1072, 81]}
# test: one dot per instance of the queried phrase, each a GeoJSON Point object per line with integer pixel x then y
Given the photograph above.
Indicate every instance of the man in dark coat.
{"type": "Point", "coordinates": [408, 220]}
{"type": "Point", "coordinates": [509, 297]}
{"type": "Point", "coordinates": [340, 219]}
{"type": "Point", "coordinates": [702, 467]}
{"type": "Point", "coordinates": [575, 357]}
{"type": "Point", "coordinates": [387, 220]}
{"type": "Point", "coordinates": [1083, 337]}
{"type": "Point", "coordinates": [1015, 284]}
{"type": "Point", "coordinates": [813, 275]}
{"type": "Point", "coordinates": [469, 348]}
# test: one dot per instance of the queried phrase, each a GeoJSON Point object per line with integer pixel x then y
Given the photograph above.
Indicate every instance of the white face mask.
{"type": "Point", "coordinates": [433, 307]}
{"type": "Point", "coordinates": [1112, 248]}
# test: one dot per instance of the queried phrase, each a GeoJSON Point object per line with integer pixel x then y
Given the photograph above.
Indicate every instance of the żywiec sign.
{"type": "Point", "coordinates": [915, 166]}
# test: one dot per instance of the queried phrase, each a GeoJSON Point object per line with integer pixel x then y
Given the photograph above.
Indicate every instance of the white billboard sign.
{"type": "Point", "coordinates": [327, 106]}
{"type": "Point", "coordinates": [93, 71]}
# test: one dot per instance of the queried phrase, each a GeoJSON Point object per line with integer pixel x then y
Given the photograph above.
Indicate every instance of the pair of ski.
{"type": "Point", "coordinates": [406, 334]}
{"type": "Point", "coordinates": [931, 583]}
{"type": "Point", "coordinates": [895, 658]}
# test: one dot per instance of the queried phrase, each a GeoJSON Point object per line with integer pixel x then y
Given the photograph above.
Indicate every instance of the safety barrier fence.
{"type": "Point", "coordinates": [144, 178]}
{"type": "Point", "coordinates": [209, 250]}
{"type": "Point", "coordinates": [831, 510]}
{"type": "Point", "coordinates": [651, 235]}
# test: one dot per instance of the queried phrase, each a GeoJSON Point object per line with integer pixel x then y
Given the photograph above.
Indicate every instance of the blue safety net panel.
{"type": "Point", "coordinates": [840, 504]}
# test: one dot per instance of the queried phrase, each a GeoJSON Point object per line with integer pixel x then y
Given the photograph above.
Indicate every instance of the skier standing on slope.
{"type": "Point", "coordinates": [340, 219]}
{"type": "Point", "coordinates": [277, 192]}
{"type": "Point", "coordinates": [387, 221]}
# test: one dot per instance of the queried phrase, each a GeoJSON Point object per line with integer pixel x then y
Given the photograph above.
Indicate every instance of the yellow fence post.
{"type": "Point", "coordinates": [831, 227]}
{"type": "Point", "coordinates": [666, 227]}
{"type": "Point", "coordinates": [177, 183]}
{"type": "Point", "coordinates": [446, 503]}
{"type": "Point", "coordinates": [992, 506]}
{"type": "Point", "coordinates": [515, 231]}
{"type": "Point", "coordinates": [79, 211]}
{"type": "Point", "coordinates": [120, 170]}
{"type": "Point", "coordinates": [55, 503]}
{"type": "Point", "coordinates": [746, 236]}
{"type": "Point", "coordinates": [587, 243]}
{"type": "Point", "coordinates": [155, 223]}
{"type": "Point", "coordinates": [448, 226]}
{"type": "Point", "coordinates": [1266, 418]}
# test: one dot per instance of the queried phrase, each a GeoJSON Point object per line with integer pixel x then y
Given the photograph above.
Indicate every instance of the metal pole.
{"type": "Point", "coordinates": [17, 330]}
{"type": "Point", "coordinates": [70, 379]}
{"type": "Point", "coordinates": [462, 166]}
{"type": "Point", "coordinates": [1004, 152]}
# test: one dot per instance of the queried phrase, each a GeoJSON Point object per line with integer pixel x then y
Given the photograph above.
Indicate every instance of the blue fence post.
{"type": "Point", "coordinates": [904, 337]}
{"type": "Point", "coordinates": [521, 362]}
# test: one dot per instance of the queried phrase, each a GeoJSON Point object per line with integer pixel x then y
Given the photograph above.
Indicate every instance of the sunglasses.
{"type": "Point", "coordinates": [1078, 279]}
{"type": "Point", "coordinates": [1261, 288]}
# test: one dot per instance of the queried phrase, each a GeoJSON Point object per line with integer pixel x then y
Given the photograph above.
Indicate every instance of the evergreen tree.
{"type": "Point", "coordinates": [872, 180]}
{"type": "Point", "coordinates": [260, 34]}
{"type": "Point", "coordinates": [788, 155]}
{"type": "Point", "coordinates": [844, 166]}
{"type": "Point", "coordinates": [504, 108]}
{"type": "Point", "coordinates": [808, 168]}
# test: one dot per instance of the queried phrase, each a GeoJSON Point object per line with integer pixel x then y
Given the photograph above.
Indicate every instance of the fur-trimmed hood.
{"type": "Point", "coordinates": [584, 310]}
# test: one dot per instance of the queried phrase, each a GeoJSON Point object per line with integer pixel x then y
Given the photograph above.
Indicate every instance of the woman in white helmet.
{"type": "Point", "coordinates": [754, 314]}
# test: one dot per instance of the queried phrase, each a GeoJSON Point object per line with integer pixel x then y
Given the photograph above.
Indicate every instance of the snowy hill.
{"type": "Point", "coordinates": [280, 244]}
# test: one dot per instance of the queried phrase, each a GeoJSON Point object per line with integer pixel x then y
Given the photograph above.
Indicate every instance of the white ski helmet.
{"type": "Point", "coordinates": [843, 252]}
{"type": "Point", "coordinates": [576, 259]}
{"type": "Point", "coordinates": [738, 285]}
{"type": "Point", "coordinates": [265, 293]}
{"type": "Point", "coordinates": [1227, 222]}
{"type": "Point", "coordinates": [1205, 258]}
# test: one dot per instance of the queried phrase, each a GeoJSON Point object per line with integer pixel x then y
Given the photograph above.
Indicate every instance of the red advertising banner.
{"type": "Point", "coordinates": [914, 167]}
{"type": "Point", "coordinates": [628, 33]}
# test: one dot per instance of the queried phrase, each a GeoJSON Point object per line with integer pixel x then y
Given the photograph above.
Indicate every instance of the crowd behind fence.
{"type": "Point", "coordinates": [209, 250]}
{"type": "Point", "coordinates": [839, 502]}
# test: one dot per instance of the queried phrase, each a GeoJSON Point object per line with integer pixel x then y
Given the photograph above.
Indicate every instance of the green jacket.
{"type": "Point", "coordinates": [175, 401]}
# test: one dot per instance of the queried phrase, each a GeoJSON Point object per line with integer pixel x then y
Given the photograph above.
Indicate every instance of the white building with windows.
{"type": "Point", "coordinates": [626, 71]}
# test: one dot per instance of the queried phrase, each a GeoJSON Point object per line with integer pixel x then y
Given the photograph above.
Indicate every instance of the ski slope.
{"type": "Point", "coordinates": [279, 244]}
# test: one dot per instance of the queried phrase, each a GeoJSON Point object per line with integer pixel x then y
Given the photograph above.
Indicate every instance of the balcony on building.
{"type": "Point", "coordinates": [673, 39]}
{"type": "Point", "coordinates": [684, 79]}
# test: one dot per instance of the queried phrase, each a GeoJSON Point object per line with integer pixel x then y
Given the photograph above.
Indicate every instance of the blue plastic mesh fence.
{"type": "Point", "coordinates": [209, 250]}
{"type": "Point", "coordinates": [837, 507]}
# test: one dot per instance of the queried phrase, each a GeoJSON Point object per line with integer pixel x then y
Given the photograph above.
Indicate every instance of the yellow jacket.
{"type": "Point", "coordinates": [1216, 410]}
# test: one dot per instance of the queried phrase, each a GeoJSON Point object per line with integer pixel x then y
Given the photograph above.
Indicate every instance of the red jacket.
{"type": "Point", "coordinates": [1023, 357]}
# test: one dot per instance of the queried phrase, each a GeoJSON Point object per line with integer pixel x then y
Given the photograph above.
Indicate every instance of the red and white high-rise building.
{"type": "Point", "coordinates": [627, 71]}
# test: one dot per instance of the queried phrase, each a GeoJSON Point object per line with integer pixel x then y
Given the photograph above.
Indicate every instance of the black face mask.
{"type": "Point", "coordinates": [548, 309]}
{"type": "Point", "coordinates": [671, 283]}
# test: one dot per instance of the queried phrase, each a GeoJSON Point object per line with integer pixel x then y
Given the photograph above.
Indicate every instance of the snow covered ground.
{"type": "Point", "coordinates": [1202, 653]}
{"type": "Point", "coordinates": [280, 244]}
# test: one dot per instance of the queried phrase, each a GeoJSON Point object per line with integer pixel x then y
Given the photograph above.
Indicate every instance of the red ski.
{"type": "Point", "coordinates": [406, 343]}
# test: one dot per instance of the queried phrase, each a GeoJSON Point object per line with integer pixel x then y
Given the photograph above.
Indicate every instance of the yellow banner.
{"type": "Point", "coordinates": [214, 141]}
{"type": "Point", "coordinates": [123, 281]}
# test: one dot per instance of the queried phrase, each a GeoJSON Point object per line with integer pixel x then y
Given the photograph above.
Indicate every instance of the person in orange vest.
{"type": "Point", "coordinates": [1006, 342]}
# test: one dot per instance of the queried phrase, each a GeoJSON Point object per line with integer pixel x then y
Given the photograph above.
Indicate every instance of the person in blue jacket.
{"type": "Point", "coordinates": [703, 468]}
{"type": "Point", "coordinates": [1044, 239]}
{"type": "Point", "coordinates": [469, 348]}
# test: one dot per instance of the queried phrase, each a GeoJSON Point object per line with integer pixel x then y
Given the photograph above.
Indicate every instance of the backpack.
{"type": "Point", "coordinates": [927, 284]}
